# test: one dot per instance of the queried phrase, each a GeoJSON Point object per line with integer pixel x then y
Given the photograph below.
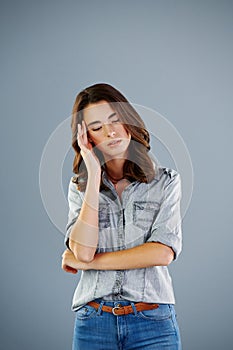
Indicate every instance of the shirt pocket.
{"type": "Point", "coordinates": [144, 214]}
{"type": "Point", "coordinates": [104, 216]}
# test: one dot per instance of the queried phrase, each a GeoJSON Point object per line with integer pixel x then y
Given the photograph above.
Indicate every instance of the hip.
{"type": "Point", "coordinates": [154, 328]}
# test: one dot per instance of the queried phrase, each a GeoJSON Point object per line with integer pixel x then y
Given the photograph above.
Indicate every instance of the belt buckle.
{"type": "Point", "coordinates": [113, 309]}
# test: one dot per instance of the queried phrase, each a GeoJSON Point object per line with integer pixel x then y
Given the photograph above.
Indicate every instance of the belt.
{"type": "Point", "coordinates": [124, 310]}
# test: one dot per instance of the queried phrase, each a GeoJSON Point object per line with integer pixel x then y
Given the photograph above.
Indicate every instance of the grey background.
{"type": "Point", "coordinates": [173, 56]}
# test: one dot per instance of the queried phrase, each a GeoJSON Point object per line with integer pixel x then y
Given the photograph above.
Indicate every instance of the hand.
{"type": "Point", "coordinates": [91, 161]}
{"type": "Point", "coordinates": [71, 264]}
{"type": "Point", "coordinates": [68, 262]}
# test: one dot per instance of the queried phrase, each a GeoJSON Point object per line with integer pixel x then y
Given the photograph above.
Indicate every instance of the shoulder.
{"type": "Point", "coordinates": [166, 184]}
{"type": "Point", "coordinates": [172, 183]}
{"type": "Point", "coordinates": [76, 183]}
{"type": "Point", "coordinates": [74, 179]}
{"type": "Point", "coordinates": [73, 186]}
{"type": "Point", "coordinates": [165, 173]}
{"type": "Point", "coordinates": [170, 173]}
{"type": "Point", "coordinates": [167, 179]}
{"type": "Point", "coordinates": [73, 182]}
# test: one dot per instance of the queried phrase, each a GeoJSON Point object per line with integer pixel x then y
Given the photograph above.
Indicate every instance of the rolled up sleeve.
{"type": "Point", "coordinates": [75, 203]}
{"type": "Point", "coordinates": [167, 228]}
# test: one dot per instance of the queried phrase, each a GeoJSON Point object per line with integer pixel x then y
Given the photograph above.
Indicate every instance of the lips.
{"type": "Point", "coordinates": [114, 142]}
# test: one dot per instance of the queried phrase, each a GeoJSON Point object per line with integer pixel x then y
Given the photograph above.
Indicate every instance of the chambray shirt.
{"type": "Point", "coordinates": [146, 213]}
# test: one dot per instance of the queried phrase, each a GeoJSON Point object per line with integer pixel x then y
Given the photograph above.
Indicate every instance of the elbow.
{"type": "Point", "coordinates": [82, 253]}
{"type": "Point", "coordinates": [85, 255]}
{"type": "Point", "coordinates": [167, 260]}
{"type": "Point", "coordinates": [168, 256]}
{"type": "Point", "coordinates": [85, 258]}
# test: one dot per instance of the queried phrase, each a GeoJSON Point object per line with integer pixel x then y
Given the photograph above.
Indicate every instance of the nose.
{"type": "Point", "coordinates": [109, 130]}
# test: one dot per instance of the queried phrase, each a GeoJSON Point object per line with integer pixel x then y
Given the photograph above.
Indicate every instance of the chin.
{"type": "Point", "coordinates": [112, 155]}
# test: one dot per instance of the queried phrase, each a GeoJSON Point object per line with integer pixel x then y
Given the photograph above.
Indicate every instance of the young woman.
{"type": "Point", "coordinates": [124, 229]}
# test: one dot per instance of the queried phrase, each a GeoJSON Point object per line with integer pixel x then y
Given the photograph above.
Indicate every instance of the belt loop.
{"type": "Point", "coordinates": [100, 308]}
{"type": "Point", "coordinates": [134, 308]}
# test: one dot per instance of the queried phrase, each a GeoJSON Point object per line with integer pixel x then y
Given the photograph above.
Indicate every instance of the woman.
{"type": "Point", "coordinates": [124, 229]}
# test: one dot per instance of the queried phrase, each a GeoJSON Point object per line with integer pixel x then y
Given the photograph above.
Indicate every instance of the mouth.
{"type": "Point", "coordinates": [114, 143]}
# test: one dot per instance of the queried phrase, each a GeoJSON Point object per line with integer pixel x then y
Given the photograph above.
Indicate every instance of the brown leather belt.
{"type": "Point", "coordinates": [124, 310]}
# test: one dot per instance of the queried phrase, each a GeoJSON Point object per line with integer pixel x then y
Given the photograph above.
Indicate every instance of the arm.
{"type": "Point", "coordinates": [142, 256]}
{"type": "Point", "coordinates": [145, 255]}
{"type": "Point", "coordinates": [157, 250]}
{"type": "Point", "coordinates": [84, 234]}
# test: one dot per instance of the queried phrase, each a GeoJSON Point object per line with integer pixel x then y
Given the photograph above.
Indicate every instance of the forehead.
{"type": "Point", "coordinates": [97, 112]}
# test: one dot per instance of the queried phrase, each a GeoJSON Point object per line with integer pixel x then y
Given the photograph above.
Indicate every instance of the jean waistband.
{"type": "Point", "coordinates": [113, 303]}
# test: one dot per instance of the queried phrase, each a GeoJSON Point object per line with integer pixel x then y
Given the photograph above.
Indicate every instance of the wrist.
{"type": "Point", "coordinates": [93, 265]}
{"type": "Point", "coordinates": [94, 180]}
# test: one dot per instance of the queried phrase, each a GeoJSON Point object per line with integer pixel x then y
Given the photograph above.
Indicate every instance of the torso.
{"type": "Point", "coordinates": [121, 185]}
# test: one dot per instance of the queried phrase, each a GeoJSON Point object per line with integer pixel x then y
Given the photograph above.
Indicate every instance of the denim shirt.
{"type": "Point", "coordinates": [147, 212]}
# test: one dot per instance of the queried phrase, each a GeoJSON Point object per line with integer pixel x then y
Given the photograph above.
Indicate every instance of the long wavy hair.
{"type": "Point", "coordinates": [138, 166]}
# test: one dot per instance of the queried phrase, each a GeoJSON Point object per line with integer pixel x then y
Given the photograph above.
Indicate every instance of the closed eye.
{"type": "Point", "coordinates": [96, 129]}
{"type": "Point", "coordinates": [100, 127]}
{"type": "Point", "coordinates": [116, 120]}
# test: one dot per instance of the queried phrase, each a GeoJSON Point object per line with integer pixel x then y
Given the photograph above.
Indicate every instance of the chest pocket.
{"type": "Point", "coordinates": [144, 214]}
{"type": "Point", "coordinates": [104, 216]}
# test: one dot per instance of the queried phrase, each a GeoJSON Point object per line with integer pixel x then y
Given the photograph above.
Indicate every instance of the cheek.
{"type": "Point", "coordinates": [98, 143]}
{"type": "Point", "coordinates": [127, 135]}
{"type": "Point", "coordinates": [123, 132]}
{"type": "Point", "coordinates": [95, 139]}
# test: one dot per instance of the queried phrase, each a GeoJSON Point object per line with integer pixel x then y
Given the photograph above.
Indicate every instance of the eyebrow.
{"type": "Point", "coordinates": [98, 121]}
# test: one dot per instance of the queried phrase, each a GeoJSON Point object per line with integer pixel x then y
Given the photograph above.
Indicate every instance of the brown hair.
{"type": "Point", "coordinates": [139, 165]}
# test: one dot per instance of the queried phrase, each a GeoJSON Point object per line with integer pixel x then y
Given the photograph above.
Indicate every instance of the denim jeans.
{"type": "Point", "coordinates": [150, 329]}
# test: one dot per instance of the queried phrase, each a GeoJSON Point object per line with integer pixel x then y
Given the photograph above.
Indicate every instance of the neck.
{"type": "Point", "coordinates": [114, 169]}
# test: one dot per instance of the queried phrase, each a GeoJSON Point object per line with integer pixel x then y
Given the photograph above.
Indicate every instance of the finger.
{"type": "Point", "coordinates": [65, 252]}
{"type": "Point", "coordinates": [80, 136]}
{"type": "Point", "coordinates": [85, 140]}
{"type": "Point", "coordinates": [70, 269]}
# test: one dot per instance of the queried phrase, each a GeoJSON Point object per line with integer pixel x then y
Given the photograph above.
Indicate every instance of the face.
{"type": "Point", "coordinates": [106, 131]}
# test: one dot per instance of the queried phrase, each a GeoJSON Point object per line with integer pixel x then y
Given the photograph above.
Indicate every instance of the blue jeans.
{"type": "Point", "coordinates": [150, 330]}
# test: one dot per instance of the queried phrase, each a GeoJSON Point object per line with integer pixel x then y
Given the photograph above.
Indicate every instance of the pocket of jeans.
{"type": "Point", "coordinates": [85, 312]}
{"type": "Point", "coordinates": [104, 216]}
{"type": "Point", "coordinates": [163, 312]}
{"type": "Point", "coordinates": [144, 213]}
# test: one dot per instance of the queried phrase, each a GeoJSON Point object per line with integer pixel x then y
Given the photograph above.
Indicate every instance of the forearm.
{"type": "Point", "coordinates": [145, 255]}
{"type": "Point", "coordinates": [84, 234]}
